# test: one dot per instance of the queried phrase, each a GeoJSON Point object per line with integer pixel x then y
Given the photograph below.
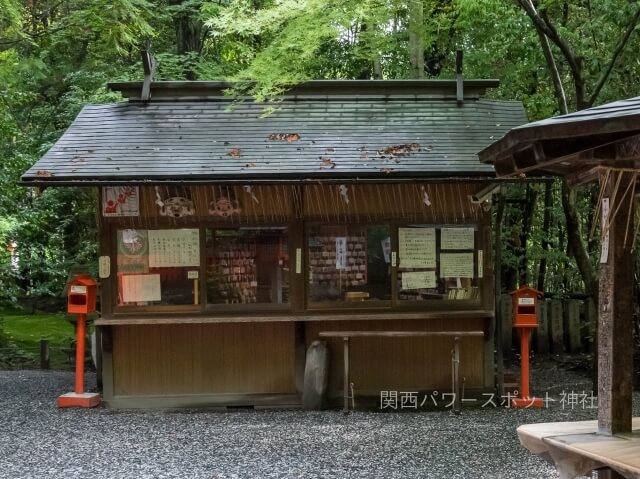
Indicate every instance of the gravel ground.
{"type": "Point", "coordinates": [38, 440]}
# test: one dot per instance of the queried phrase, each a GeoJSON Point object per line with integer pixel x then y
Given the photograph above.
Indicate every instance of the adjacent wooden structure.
{"type": "Point", "coordinates": [601, 143]}
{"type": "Point", "coordinates": [230, 240]}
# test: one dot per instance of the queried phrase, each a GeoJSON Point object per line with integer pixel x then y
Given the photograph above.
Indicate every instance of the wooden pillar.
{"type": "Point", "coordinates": [556, 324]}
{"type": "Point", "coordinates": [497, 273]}
{"type": "Point", "coordinates": [615, 324]}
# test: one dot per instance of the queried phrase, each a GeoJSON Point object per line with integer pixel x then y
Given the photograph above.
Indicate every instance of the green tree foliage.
{"type": "Point", "coordinates": [54, 58]}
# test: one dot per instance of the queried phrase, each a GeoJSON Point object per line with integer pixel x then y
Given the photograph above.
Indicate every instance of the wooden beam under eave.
{"type": "Point", "coordinates": [529, 158]}
{"type": "Point", "coordinates": [625, 149]}
{"type": "Point", "coordinates": [505, 166]}
{"type": "Point", "coordinates": [540, 158]}
{"type": "Point", "coordinates": [583, 176]}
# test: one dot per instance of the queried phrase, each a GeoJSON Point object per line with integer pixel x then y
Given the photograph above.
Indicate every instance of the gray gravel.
{"type": "Point", "coordinates": [38, 440]}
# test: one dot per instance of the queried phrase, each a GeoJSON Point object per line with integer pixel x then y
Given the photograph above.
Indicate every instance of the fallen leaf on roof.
{"type": "Point", "coordinates": [399, 150]}
{"type": "Point", "coordinates": [329, 150]}
{"type": "Point", "coordinates": [364, 155]}
{"type": "Point", "coordinates": [327, 162]}
{"type": "Point", "coordinates": [44, 173]}
{"type": "Point", "coordinates": [235, 152]}
{"type": "Point", "coordinates": [250, 165]}
{"type": "Point", "coordinates": [226, 143]}
{"type": "Point", "coordinates": [284, 137]}
{"type": "Point", "coordinates": [387, 170]}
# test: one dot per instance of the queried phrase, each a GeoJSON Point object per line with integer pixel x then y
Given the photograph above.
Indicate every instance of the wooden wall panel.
{"type": "Point", "coordinates": [204, 359]}
{"type": "Point", "coordinates": [255, 203]}
{"type": "Point", "coordinates": [402, 364]}
{"type": "Point", "coordinates": [431, 202]}
{"type": "Point", "coordinates": [447, 202]}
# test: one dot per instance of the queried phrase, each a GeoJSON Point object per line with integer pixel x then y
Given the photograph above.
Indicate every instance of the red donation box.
{"type": "Point", "coordinates": [81, 300]}
{"type": "Point", "coordinates": [525, 318]}
{"type": "Point", "coordinates": [81, 295]}
{"type": "Point", "coordinates": [525, 307]}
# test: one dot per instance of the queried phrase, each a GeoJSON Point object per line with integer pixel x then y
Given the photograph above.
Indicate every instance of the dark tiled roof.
{"type": "Point", "coordinates": [315, 138]}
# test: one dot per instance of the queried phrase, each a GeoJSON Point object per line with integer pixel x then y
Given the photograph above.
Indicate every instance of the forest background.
{"type": "Point", "coordinates": [57, 55]}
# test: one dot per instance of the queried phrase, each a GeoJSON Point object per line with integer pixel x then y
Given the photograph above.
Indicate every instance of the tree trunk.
{"type": "Point", "coordinates": [576, 245]}
{"type": "Point", "coordinates": [416, 38]}
{"type": "Point", "coordinates": [189, 36]}
{"type": "Point", "coordinates": [527, 221]}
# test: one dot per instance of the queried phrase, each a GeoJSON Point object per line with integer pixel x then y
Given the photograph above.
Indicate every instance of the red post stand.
{"type": "Point", "coordinates": [524, 400]}
{"type": "Point", "coordinates": [81, 300]}
{"type": "Point", "coordinates": [525, 318]}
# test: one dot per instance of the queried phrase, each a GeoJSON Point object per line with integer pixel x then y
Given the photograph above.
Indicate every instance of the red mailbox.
{"type": "Point", "coordinates": [81, 296]}
{"type": "Point", "coordinates": [525, 318]}
{"type": "Point", "coordinates": [525, 307]}
{"type": "Point", "coordinates": [81, 300]}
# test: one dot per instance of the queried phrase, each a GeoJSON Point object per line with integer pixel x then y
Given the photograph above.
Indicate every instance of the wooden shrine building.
{"type": "Point", "coordinates": [233, 234]}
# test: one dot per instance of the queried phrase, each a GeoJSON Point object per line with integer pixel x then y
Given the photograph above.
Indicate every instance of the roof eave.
{"type": "Point", "coordinates": [365, 177]}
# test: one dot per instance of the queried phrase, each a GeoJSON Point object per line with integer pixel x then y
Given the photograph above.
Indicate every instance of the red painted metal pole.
{"type": "Point", "coordinates": [80, 335]}
{"type": "Point", "coordinates": [524, 362]}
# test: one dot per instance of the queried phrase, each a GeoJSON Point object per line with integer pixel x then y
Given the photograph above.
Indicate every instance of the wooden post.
{"type": "Point", "coordinates": [557, 333]}
{"type": "Point", "coordinates": [44, 354]}
{"type": "Point", "coordinates": [572, 325]}
{"type": "Point", "coordinates": [455, 375]}
{"type": "Point", "coordinates": [591, 316]}
{"type": "Point", "coordinates": [615, 314]}
{"type": "Point", "coordinates": [608, 474]}
{"type": "Point", "coordinates": [497, 273]}
{"type": "Point", "coordinates": [506, 318]}
{"type": "Point", "coordinates": [300, 349]}
{"type": "Point", "coordinates": [542, 331]}
{"type": "Point", "coordinates": [345, 407]}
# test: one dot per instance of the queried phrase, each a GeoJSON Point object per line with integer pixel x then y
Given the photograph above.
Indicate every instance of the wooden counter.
{"type": "Point", "coordinates": [576, 448]}
{"type": "Point", "coordinates": [324, 316]}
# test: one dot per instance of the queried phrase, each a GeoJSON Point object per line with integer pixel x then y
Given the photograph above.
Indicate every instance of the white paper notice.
{"type": "Point", "coordinates": [456, 238]}
{"type": "Point", "coordinates": [170, 248]}
{"type": "Point", "coordinates": [480, 264]}
{"type": "Point", "coordinates": [140, 287]}
{"type": "Point", "coordinates": [604, 254]}
{"type": "Point", "coordinates": [456, 265]}
{"type": "Point", "coordinates": [299, 261]}
{"type": "Point", "coordinates": [417, 247]}
{"type": "Point", "coordinates": [418, 279]}
{"type": "Point", "coordinates": [341, 252]}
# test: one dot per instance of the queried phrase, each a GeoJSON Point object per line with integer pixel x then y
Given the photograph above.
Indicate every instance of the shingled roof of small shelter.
{"type": "Point", "coordinates": [320, 131]}
{"type": "Point", "coordinates": [573, 145]}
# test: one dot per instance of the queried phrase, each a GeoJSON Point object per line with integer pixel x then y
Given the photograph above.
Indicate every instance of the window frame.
{"type": "Point", "coordinates": [445, 304]}
{"type": "Point", "coordinates": [203, 308]}
{"type": "Point", "coordinates": [312, 306]}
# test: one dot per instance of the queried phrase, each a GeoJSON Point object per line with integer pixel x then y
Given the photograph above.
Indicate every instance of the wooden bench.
{"type": "Point", "coordinates": [455, 359]}
{"type": "Point", "coordinates": [575, 448]}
